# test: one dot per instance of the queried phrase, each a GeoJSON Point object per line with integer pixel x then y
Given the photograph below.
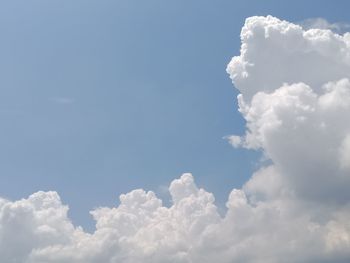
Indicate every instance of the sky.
{"type": "Point", "coordinates": [99, 98]}
{"type": "Point", "coordinates": [102, 97]}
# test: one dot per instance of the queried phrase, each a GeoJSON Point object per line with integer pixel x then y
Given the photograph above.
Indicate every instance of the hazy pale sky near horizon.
{"type": "Point", "coordinates": [102, 97]}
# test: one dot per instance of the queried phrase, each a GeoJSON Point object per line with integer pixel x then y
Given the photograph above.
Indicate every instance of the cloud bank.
{"type": "Point", "coordinates": [295, 98]}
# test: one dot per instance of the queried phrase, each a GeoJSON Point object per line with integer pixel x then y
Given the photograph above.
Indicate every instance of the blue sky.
{"type": "Point", "coordinates": [101, 97]}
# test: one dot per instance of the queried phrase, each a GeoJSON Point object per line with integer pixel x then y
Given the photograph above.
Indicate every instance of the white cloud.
{"type": "Point", "coordinates": [321, 23]}
{"type": "Point", "coordinates": [295, 97]}
{"type": "Point", "coordinates": [140, 229]}
{"type": "Point", "coordinates": [275, 52]}
{"type": "Point", "coordinates": [234, 140]}
{"type": "Point", "coordinates": [301, 125]}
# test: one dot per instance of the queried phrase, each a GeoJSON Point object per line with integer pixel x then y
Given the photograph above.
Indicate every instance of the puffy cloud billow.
{"type": "Point", "coordinates": [295, 97]}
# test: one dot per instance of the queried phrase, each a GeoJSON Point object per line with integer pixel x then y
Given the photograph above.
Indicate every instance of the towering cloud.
{"type": "Point", "coordinates": [295, 98]}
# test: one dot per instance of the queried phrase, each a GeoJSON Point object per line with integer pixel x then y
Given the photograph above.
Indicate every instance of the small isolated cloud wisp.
{"type": "Point", "coordinates": [62, 100]}
{"type": "Point", "coordinates": [295, 97]}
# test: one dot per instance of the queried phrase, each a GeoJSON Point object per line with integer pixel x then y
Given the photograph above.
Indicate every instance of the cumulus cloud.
{"type": "Point", "coordinates": [297, 114]}
{"type": "Point", "coordinates": [295, 97]}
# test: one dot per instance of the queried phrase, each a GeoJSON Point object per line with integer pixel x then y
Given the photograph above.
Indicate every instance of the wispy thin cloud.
{"type": "Point", "coordinates": [62, 100]}
{"type": "Point", "coordinates": [321, 23]}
